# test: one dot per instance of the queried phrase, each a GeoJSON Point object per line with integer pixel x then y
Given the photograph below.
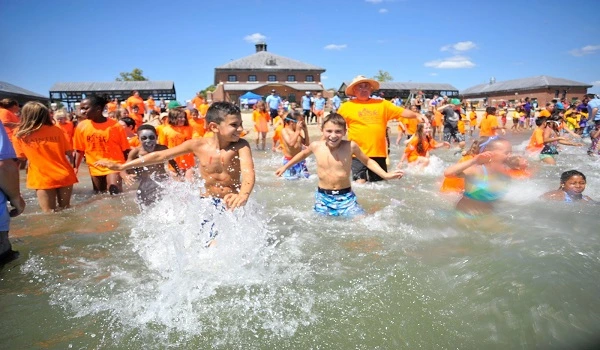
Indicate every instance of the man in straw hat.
{"type": "Point", "coordinates": [367, 121]}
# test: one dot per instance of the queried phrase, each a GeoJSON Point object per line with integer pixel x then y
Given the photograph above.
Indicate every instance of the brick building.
{"type": "Point", "coordinates": [541, 89]}
{"type": "Point", "coordinates": [262, 72]}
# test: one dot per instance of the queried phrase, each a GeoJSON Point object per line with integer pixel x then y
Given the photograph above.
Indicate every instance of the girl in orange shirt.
{"type": "Point", "coordinates": [177, 132]}
{"type": "Point", "coordinates": [46, 147]}
{"type": "Point", "coordinates": [418, 147]}
{"type": "Point", "coordinates": [261, 118]}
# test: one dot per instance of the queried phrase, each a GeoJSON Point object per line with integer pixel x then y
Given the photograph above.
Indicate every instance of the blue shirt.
{"type": "Point", "coordinates": [319, 104]}
{"type": "Point", "coordinates": [305, 102]}
{"type": "Point", "coordinates": [273, 101]}
{"type": "Point", "coordinates": [6, 152]}
{"type": "Point", "coordinates": [336, 101]}
{"type": "Point", "coordinates": [595, 103]}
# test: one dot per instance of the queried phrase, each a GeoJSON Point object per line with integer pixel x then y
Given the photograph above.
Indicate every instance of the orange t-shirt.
{"type": "Point", "coordinates": [367, 122]}
{"type": "Point", "coordinates": [261, 121]}
{"type": "Point", "coordinates": [203, 109]}
{"type": "Point", "coordinates": [111, 107]}
{"type": "Point", "coordinates": [197, 102]}
{"type": "Point", "coordinates": [519, 173]}
{"type": "Point", "coordinates": [134, 141]}
{"type": "Point", "coordinates": [68, 129]}
{"type": "Point", "coordinates": [411, 125]}
{"type": "Point", "coordinates": [411, 148]}
{"type": "Point", "coordinates": [437, 117]}
{"type": "Point", "coordinates": [545, 113]}
{"type": "Point", "coordinates": [536, 141]}
{"type": "Point", "coordinates": [172, 136]}
{"type": "Point", "coordinates": [136, 101]}
{"type": "Point", "coordinates": [101, 141]}
{"type": "Point", "coordinates": [198, 127]}
{"type": "Point", "coordinates": [47, 166]}
{"type": "Point", "coordinates": [487, 124]}
{"type": "Point", "coordinates": [453, 183]}
{"type": "Point", "coordinates": [277, 134]}
{"type": "Point", "coordinates": [7, 116]}
{"type": "Point", "coordinates": [151, 103]}
{"type": "Point", "coordinates": [159, 130]}
{"type": "Point", "coordinates": [473, 118]}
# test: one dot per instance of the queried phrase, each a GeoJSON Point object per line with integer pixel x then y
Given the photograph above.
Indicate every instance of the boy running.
{"type": "Point", "coordinates": [334, 195]}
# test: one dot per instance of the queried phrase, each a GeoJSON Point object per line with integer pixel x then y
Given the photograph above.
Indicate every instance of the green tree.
{"type": "Point", "coordinates": [135, 75]}
{"type": "Point", "coordinates": [383, 76]}
{"type": "Point", "coordinates": [209, 88]}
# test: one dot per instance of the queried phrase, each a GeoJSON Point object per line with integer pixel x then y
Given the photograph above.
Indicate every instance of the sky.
{"type": "Point", "coordinates": [463, 43]}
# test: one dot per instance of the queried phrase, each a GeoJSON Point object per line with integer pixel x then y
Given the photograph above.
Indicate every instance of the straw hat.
{"type": "Point", "coordinates": [361, 79]}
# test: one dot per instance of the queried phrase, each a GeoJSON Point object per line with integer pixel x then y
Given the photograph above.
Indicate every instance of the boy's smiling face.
{"type": "Point", "coordinates": [333, 134]}
{"type": "Point", "coordinates": [231, 128]}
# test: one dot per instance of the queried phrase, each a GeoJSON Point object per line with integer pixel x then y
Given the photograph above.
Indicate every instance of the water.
{"type": "Point", "coordinates": [406, 276]}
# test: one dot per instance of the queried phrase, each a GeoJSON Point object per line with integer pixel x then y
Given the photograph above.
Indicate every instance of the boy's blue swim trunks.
{"type": "Point", "coordinates": [337, 202]}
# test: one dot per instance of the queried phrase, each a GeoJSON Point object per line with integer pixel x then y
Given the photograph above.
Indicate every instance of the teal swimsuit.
{"type": "Point", "coordinates": [484, 190]}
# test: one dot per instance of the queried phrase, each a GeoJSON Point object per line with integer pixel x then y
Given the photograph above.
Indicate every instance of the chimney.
{"type": "Point", "coordinates": [492, 80]}
{"type": "Point", "coordinates": [261, 46]}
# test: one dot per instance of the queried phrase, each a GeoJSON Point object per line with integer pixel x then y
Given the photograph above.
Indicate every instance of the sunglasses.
{"type": "Point", "coordinates": [151, 138]}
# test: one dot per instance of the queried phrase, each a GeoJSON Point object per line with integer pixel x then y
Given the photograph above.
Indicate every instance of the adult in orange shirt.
{"type": "Point", "coordinates": [113, 105]}
{"type": "Point", "coordinates": [150, 103]}
{"type": "Point", "coordinates": [367, 121]}
{"type": "Point", "coordinates": [98, 138]}
{"type": "Point", "coordinates": [45, 146]}
{"type": "Point", "coordinates": [136, 100]}
{"type": "Point", "coordinates": [196, 121]}
{"type": "Point", "coordinates": [136, 116]}
{"type": "Point", "coordinates": [489, 123]}
{"type": "Point", "coordinates": [261, 118]}
{"type": "Point", "coordinates": [8, 115]}
{"type": "Point", "coordinates": [177, 132]}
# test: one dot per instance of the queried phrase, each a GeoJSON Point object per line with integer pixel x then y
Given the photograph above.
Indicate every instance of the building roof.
{"type": "Point", "coordinates": [541, 81]}
{"type": "Point", "coordinates": [254, 86]}
{"type": "Point", "coordinates": [268, 61]}
{"type": "Point", "coordinates": [114, 86]}
{"type": "Point", "coordinates": [16, 90]}
{"type": "Point", "coordinates": [409, 86]}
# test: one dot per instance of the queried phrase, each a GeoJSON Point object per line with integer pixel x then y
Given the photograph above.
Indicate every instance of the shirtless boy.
{"type": "Point", "coordinates": [334, 196]}
{"type": "Point", "coordinates": [293, 136]}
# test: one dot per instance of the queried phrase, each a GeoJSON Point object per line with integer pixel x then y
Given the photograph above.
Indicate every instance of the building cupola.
{"type": "Point", "coordinates": [261, 46]}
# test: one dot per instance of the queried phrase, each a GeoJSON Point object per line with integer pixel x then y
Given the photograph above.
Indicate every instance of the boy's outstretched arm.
{"type": "Point", "coordinates": [297, 158]}
{"type": "Point", "coordinates": [150, 158]}
{"type": "Point", "coordinates": [372, 165]}
{"type": "Point", "coordinates": [248, 177]}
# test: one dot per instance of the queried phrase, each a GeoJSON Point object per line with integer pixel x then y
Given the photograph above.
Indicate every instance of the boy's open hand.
{"type": "Point", "coordinates": [396, 174]}
{"type": "Point", "coordinates": [235, 200]}
{"type": "Point", "coordinates": [279, 171]}
{"type": "Point", "coordinates": [105, 163]}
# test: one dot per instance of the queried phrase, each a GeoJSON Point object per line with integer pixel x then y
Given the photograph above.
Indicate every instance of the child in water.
{"type": "Point", "coordinates": [572, 185]}
{"type": "Point", "coordinates": [334, 195]}
{"type": "Point", "coordinates": [485, 178]}
{"type": "Point", "coordinates": [293, 137]}
{"type": "Point", "coordinates": [418, 147]}
{"type": "Point", "coordinates": [148, 191]}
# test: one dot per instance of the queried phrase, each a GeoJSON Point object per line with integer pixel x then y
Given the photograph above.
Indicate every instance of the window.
{"type": "Point", "coordinates": [232, 78]}
{"type": "Point", "coordinates": [272, 77]}
{"type": "Point", "coordinates": [310, 78]}
{"type": "Point", "coordinates": [291, 78]}
{"type": "Point", "coordinates": [252, 78]}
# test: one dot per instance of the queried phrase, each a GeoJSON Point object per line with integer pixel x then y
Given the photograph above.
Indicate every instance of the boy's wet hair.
{"type": "Point", "coordinates": [217, 111]}
{"type": "Point", "coordinates": [335, 119]}
{"type": "Point", "coordinates": [539, 121]}
{"type": "Point", "coordinates": [490, 110]}
{"type": "Point", "coordinates": [564, 177]}
{"type": "Point", "coordinates": [147, 127]}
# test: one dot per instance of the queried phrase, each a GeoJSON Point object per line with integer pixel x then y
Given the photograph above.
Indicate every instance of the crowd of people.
{"type": "Point", "coordinates": [137, 139]}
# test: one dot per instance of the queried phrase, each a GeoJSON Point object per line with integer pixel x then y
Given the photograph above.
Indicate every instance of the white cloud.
{"type": "Point", "coordinates": [586, 50]}
{"type": "Point", "coordinates": [595, 83]}
{"type": "Point", "coordinates": [460, 46]}
{"type": "Point", "coordinates": [324, 77]}
{"type": "Point", "coordinates": [335, 47]}
{"type": "Point", "coordinates": [383, 11]}
{"type": "Point", "coordinates": [454, 62]}
{"type": "Point", "coordinates": [255, 38]}
{"type": "Point", "coordinates": [433, 74]}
